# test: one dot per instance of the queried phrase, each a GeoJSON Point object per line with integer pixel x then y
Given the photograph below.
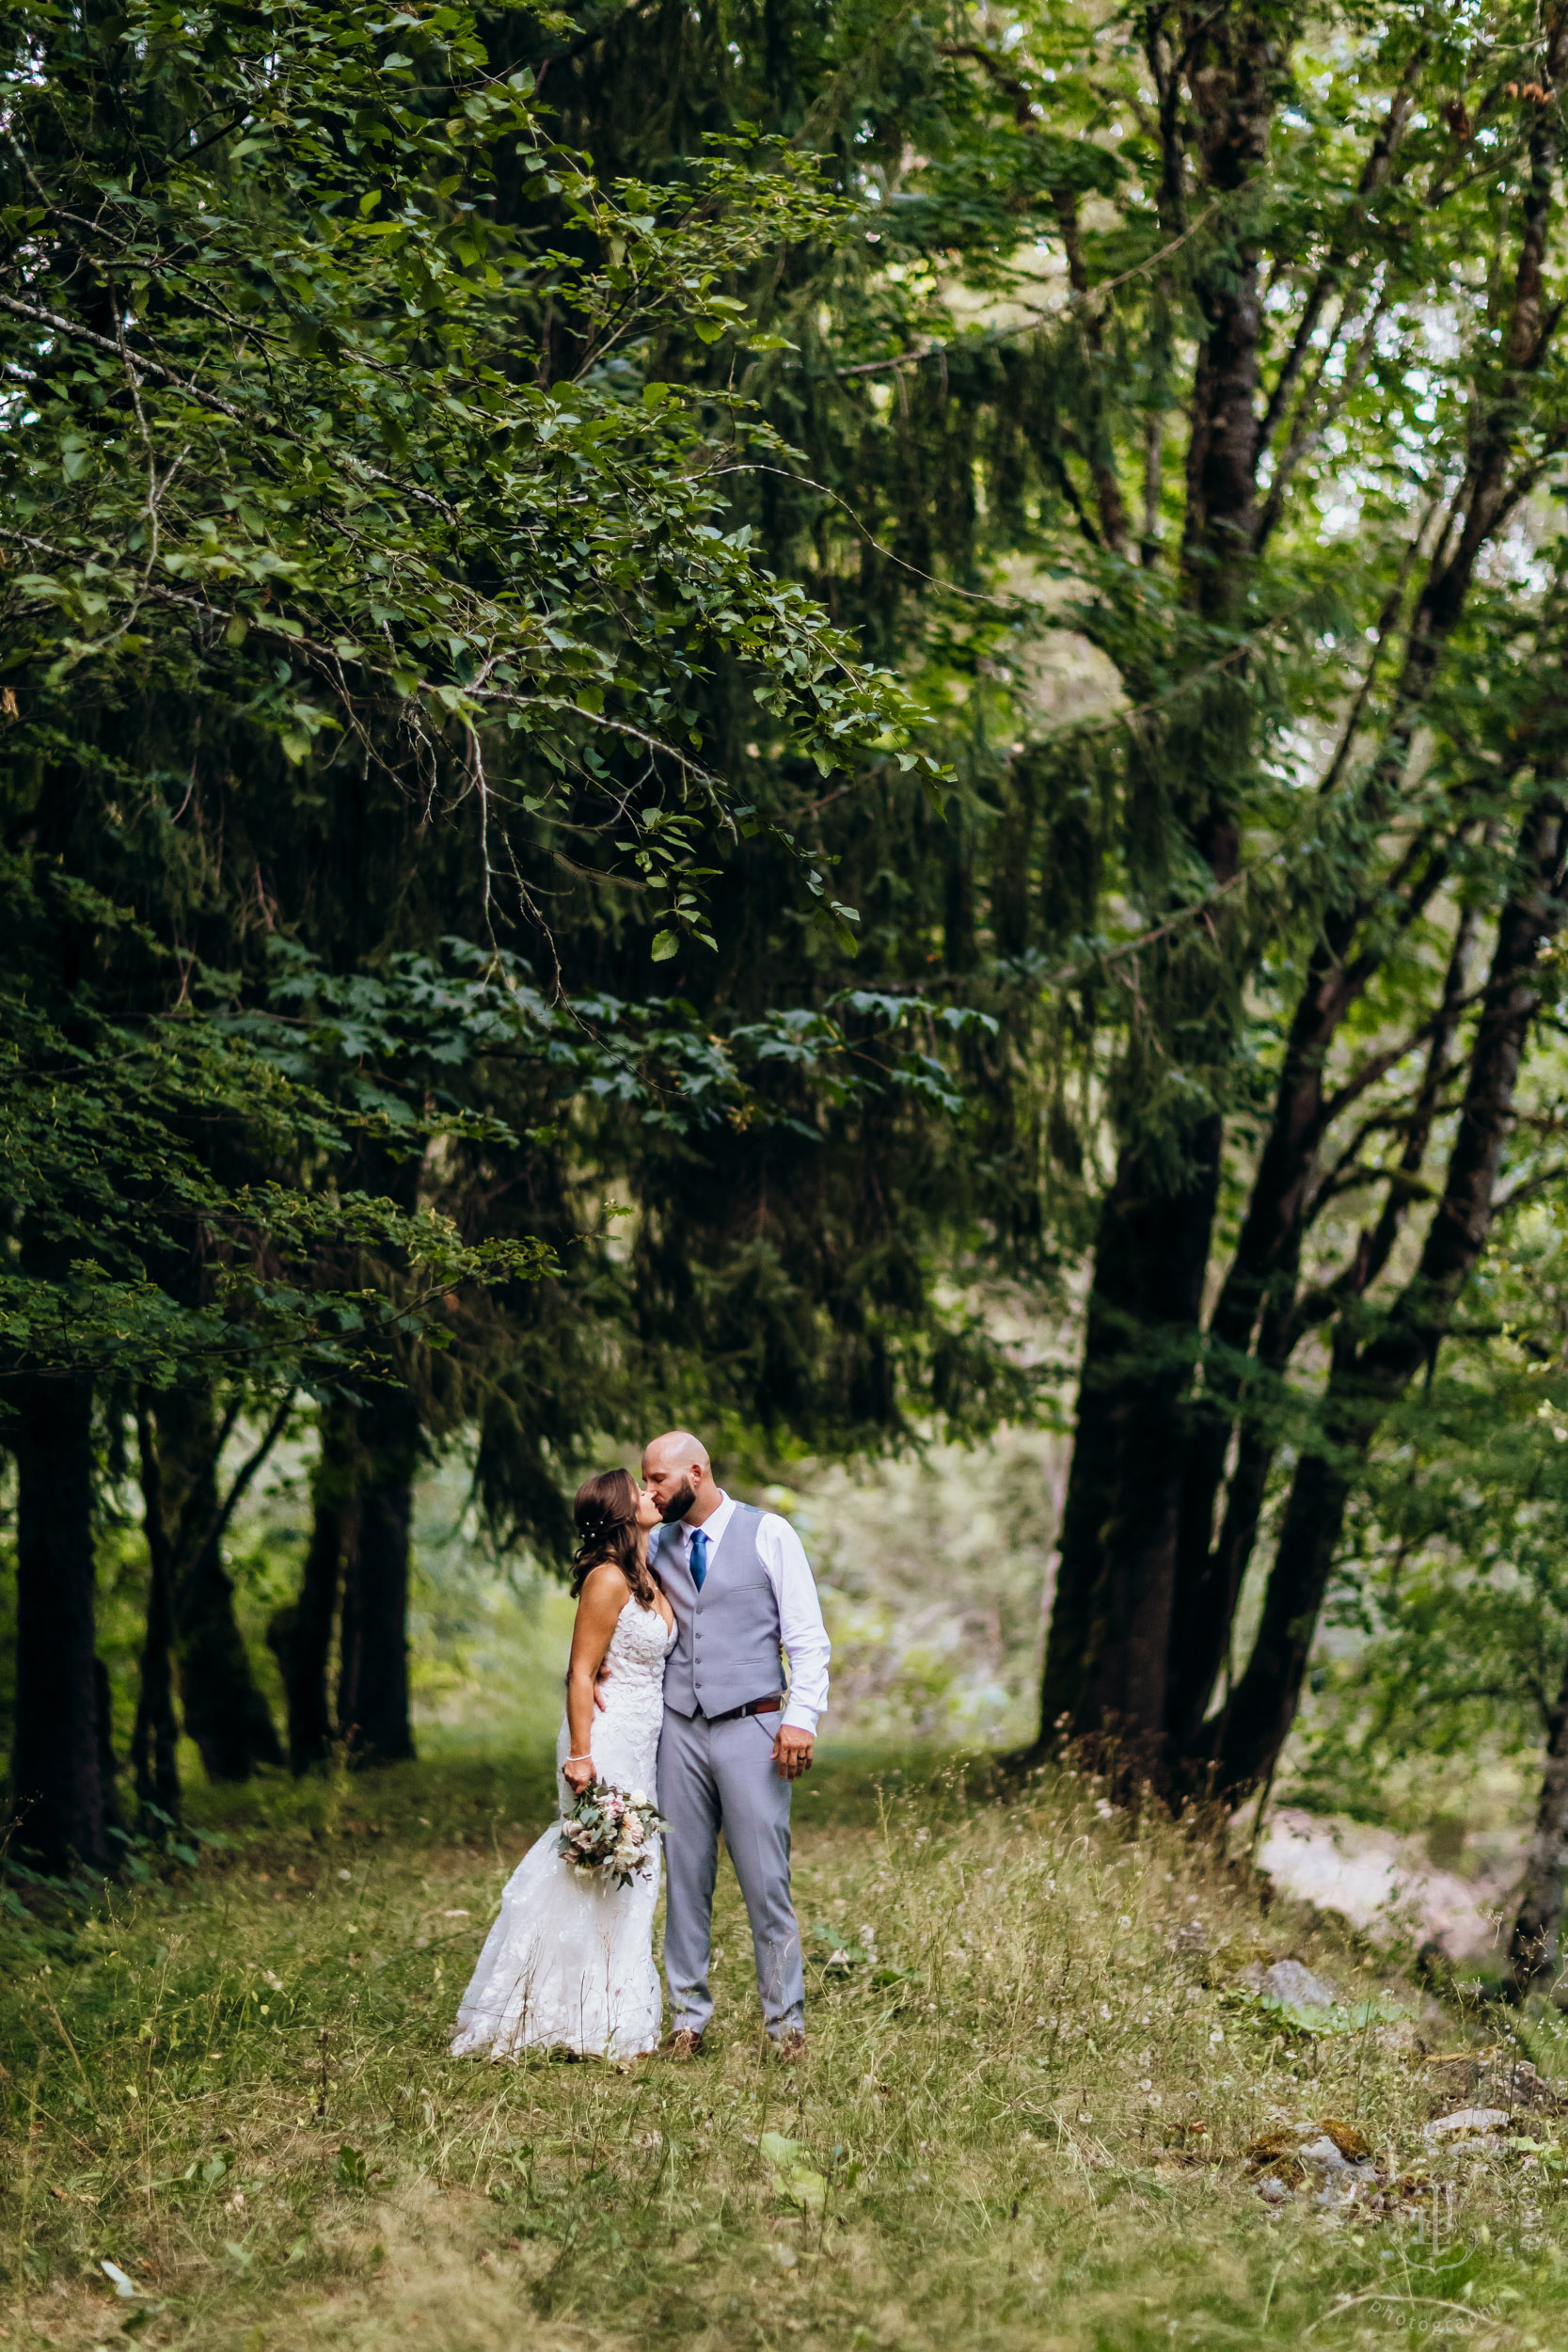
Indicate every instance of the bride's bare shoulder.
{"type": "Point", "coordinates": [604, 1588]}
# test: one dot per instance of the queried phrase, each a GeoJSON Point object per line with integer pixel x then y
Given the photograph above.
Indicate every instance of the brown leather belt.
{"type": "Point", "coordinates": [752, 1706]}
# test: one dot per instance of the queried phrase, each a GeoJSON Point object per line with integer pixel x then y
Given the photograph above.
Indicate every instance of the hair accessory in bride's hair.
{"type": "Point", "coordinates": [594, 1526]}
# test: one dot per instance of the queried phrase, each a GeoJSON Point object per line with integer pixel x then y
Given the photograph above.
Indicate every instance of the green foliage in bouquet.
{"type": "Point", "coordinates": [610, 1831]}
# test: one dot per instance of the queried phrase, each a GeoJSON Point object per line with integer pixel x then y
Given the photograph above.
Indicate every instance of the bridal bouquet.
{"type": "Point", "coordinates": [611, 1829]}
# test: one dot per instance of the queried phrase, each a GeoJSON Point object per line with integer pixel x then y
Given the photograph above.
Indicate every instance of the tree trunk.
{"type": "Point", "coordinates": [373, 1684]}
{"type": "Point", "coordinates": [1210, 1579]}
{"type": "Point", "coordinates": [1107, 1656]}
{"type": "Point", "coordinates": [301, 1634]}
{"type": "Point", "coordinates": [1261, 1279]}
{"type": "Point", "coordinates": [1010, 892]}
{"type": "Point", "coordinates": [1246, 1738]}
{"type": "Point", "coordinates": [57, 1773]}
{"type": "Point", "coordinates": [226, 1710]}
{"type": "Point", "coordinates": [113, 1826]}
{"type": "Point", "coordinates": [1110, 1627]}
{"type": "Point", "coordinates": [155, 1742]}
{"type": "Point", "coordinates": [1365, 1379]}
{"type": "Point", "coordinates": [1209, 1575]}
{"type": "Point", "coordinates": [959, 894]}
{"type": "Point", "coordinates": [1533, 1950]}
{"type": "Point", "coordinates": [1229, 68]}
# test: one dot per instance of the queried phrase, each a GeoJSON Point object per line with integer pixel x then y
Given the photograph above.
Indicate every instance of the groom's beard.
{"type": "Point", "coordinates": [679, 1504]}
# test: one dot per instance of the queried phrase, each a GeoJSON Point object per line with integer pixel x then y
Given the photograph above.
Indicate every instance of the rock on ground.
{"type": "Point", "coordinates": [1512, 2084]}
{"type": "Point", "coordinates": [1290, 1982]}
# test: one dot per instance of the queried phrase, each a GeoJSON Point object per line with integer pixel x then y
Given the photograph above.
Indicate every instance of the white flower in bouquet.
{"type": "Point", "coordinates": [610, 1833]}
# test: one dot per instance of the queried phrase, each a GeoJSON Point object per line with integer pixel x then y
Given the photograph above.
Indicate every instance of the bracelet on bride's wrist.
{"type": "Point", "coordinates": [580, 1760]}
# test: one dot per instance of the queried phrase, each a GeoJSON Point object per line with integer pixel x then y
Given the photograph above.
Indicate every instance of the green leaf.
{"type": "Point", "coordinates": [664, 947]}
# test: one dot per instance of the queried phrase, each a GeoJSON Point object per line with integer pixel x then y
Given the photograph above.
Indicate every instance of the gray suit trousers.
{"type": "Point", "coordinates": [714, 1776]}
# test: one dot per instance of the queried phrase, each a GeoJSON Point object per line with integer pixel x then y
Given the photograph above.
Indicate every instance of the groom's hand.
{"type": "Point", "coordinates": [792, 1751]}
{"type": "Point", "coordinates": [599, 1681]}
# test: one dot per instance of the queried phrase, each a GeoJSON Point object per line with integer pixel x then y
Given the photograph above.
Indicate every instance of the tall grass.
{"type": "Point", "coordinates": [1022, 2120]}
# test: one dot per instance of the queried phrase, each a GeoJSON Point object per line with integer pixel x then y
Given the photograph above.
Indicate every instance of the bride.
{"type": "Point", "coordinates": [569, 1964]}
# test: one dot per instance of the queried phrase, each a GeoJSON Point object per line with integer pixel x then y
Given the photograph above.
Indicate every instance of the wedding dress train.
{"type": "Point", "coordinates": [569, 1963]}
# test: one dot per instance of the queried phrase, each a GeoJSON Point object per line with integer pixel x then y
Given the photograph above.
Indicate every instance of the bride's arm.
{"type": "Point", "coordinates": [603, 1598]}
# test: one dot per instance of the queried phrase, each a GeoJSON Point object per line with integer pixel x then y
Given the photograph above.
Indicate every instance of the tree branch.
{"type": "Point", "coordinates": [218, 1522]}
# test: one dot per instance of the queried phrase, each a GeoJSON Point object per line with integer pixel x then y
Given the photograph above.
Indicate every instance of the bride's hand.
{"type": "Point", "coordinates": [578, 1773]}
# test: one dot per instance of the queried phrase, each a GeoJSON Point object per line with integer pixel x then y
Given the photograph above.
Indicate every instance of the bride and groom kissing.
{"type": "Point", "coordinates": [687, 1602]}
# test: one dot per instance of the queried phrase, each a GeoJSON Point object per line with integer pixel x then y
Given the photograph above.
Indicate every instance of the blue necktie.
{"type": "Point", "coordinates": [699, 1559]}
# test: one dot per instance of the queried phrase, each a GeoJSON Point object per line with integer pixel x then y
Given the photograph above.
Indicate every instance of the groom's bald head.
{"type": "Point", "coordinates": [676, 1449]}
{"type": "Point", "coordinates": [677, 1473]}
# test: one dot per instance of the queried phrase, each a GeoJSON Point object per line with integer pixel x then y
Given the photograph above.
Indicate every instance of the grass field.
{"type": "Point", "coordinates": [1022, 2123]}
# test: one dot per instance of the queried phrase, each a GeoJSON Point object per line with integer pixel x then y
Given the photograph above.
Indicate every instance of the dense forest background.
{"type": "Point", "coordinates": [841, 720]}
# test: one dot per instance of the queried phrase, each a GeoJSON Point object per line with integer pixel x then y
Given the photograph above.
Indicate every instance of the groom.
{"type": "Point", "coordinates": [741, 1590]}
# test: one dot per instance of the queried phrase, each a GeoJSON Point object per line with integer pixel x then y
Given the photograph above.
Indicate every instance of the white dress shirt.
{"type": "Point", "coordinates": [801, 1628]}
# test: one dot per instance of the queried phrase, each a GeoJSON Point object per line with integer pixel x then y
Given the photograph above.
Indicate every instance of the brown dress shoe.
{"type": "Point", "coordinates": [788, 2048]}
{"type": "Point", "coordinates": [682, 2043]}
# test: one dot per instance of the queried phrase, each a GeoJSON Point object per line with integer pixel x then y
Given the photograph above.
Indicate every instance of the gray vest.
{"type": "Point", "coordinates": [727, 1647]}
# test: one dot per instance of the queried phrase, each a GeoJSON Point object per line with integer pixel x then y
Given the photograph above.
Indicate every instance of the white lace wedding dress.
{"type": "Point", "coordinates": [569, 1963]}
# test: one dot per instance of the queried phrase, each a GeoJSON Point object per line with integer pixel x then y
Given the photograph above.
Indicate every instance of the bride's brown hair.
{"type": "Point", "coordinates": [606, 1516]}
